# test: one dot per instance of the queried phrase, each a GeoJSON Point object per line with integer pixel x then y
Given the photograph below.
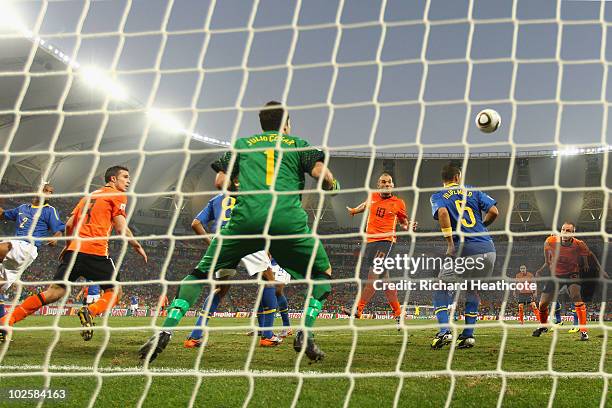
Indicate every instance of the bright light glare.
{"type": "Point", "coordinates": [165, 120]}
{"type": "Point", "coordinates": [96, 78]}
{"type": "Point", "coordinates": [10, 19]}
{"type": "Point", "coordinates": [573, 151]}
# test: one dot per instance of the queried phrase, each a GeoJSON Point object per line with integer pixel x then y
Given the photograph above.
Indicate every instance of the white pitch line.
{"type": "Point", "coordinates": [209, 372]}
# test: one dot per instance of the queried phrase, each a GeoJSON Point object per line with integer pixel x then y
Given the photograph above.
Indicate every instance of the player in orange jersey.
{"type": "Point", "coordinates": [525, 295]}
{"type": "Point", "coordinates": [385, 210]}
{"type": "Point", "coordinates": [93, 219]}
{"type": "Point", "coordinates": [566, 257]}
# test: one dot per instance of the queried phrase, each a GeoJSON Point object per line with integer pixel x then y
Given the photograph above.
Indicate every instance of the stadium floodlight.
{"type": "Point", "coordinates": [10, 19]}
{"type": "Point", "coordinates": [97, 78]}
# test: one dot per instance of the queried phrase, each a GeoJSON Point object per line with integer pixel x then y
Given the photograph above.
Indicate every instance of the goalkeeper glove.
{"type": "Point", "coordinates": [335, 187]}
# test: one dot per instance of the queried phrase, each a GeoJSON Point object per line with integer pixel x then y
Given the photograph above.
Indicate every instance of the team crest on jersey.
{"type": "Point", "coordinates": [122, 206]}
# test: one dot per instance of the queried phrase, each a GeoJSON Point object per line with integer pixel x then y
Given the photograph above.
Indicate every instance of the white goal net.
{"type": "Point", "coordinates": [166, 87]}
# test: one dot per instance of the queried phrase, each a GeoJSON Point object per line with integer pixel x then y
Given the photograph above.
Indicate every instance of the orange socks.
{"type": "Point", "coordinates": [536, 311]}
{"type": "Point", "coordinates": [106, 301]}
{"type": "Point", "coordinates": [366, 293]}
{"type": "Point", "coordinates": [26, 308]}
{"type": "Point", "coordinates": [521, 313]}
{"type": "Point", "coordinates": [582, 316]}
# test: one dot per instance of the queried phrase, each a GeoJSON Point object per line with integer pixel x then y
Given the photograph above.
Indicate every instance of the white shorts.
{"type": "Point", "coordinates": [254, 263]}
{"type": "Point", "coordinates": [133, 307]}
{"type": "Point", "coordinates": [21, 255]}
{"type": "Point", "coordinates": [280, 275]}
{"type": "Point", "coordinates": [92, 299]}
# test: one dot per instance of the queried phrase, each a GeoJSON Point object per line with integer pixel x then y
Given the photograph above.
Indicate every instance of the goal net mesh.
{"type": "Point", "coordinates": [165, 87]}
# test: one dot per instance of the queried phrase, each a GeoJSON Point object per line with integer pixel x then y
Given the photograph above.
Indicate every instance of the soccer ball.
{"type": "Point", "coordinates": [488, 120]}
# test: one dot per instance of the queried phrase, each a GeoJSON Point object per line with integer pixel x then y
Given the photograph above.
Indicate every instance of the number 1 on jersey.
{"type": "Point", "coordinates": [269, 166]}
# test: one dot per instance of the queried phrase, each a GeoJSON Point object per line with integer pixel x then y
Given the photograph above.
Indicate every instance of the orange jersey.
{"type": "Point", "coordinates": [524, 277]}
{"type": "Point", "coordinates": [96, 221]}
{"type": "Point", "coordinates": [563, 260]}
{"type": "Point", "coordinates": [383, 216]}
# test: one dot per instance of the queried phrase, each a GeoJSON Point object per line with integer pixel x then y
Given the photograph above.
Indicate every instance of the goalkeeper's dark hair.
{"type": "Point", "coordinates": [449, 172]}
{"type": "Point", "coordinates": [113, 172]}
{"type": "Point", "coordinates": [271, 117]}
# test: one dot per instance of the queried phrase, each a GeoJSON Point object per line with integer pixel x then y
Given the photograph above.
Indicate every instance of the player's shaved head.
{"type": "Point", "coordinates": [385, 183]}
{"type": "Point", "coordinates": [271, 117]}
{"type": "Point", "coordinates": [450, 173]}
{"type": "Point", "coordinates": [567, 231]}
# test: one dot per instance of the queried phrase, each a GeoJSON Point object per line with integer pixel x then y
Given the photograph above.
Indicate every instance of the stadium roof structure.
{"type": "Point", "coordinates": [96, 130]}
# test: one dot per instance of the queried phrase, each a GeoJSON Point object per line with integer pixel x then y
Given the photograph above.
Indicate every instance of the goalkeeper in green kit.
{"type": "Point", "coordinates": [256, 165]}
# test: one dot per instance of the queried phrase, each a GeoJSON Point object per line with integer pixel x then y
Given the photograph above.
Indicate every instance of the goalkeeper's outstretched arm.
{"type": "Point", "coordinates": [329, 182]}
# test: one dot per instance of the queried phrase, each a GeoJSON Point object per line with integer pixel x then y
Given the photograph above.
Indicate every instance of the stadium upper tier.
{"type": "Point", "coordinates": [68, 132]}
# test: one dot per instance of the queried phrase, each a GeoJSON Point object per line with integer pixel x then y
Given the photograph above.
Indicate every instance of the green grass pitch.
{"type": "Point", "coordinates": [378, 348]}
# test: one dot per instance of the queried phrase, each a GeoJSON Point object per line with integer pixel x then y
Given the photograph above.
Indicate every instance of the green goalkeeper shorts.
{"type": "Point", "coordinates": [292, 254]}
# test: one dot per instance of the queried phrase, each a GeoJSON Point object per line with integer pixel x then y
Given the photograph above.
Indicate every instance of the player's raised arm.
{"type": "Point", "coordinates": [120, 225]}
{"type": "Point", "coordinates": [447, 230]}
{"type": "Point", "coordinates": [357, 210]}
{"type": "Point", "coordinates": [320, 170]}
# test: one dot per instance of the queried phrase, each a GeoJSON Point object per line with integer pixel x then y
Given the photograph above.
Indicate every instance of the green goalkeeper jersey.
{"type": "Point", "coordinates": [256, 174]}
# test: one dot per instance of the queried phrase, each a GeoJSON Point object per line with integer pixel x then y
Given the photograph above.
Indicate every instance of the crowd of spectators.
{"type": "Point", "coordinates": [167, 267]}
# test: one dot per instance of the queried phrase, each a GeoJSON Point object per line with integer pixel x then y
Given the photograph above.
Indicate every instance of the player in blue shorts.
{"type": "Point", "coordinates": [215, 215]}
{"type": "Point", "coordinates": [457, 204]}
{"type": "Point", "coordinates": [38, 219]}
{"type": "Point", "coordinates": [90, 294]}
